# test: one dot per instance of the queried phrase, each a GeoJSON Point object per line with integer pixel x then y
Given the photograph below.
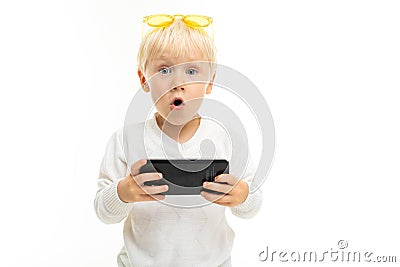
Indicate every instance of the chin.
{"type": "Point", "coordinates": [179, 118]}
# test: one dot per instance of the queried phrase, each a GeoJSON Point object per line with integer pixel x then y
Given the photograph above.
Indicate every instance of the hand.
{"type": "Point", "coordinates": [132, 188]}
{"type": "Point", "coordinates": [235, 191]}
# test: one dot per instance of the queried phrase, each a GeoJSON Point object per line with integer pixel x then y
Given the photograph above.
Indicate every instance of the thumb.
{"type": "Point", "coordinates": [136, 166]}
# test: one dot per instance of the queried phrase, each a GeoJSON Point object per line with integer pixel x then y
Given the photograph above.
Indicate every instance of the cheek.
{"type": "Point", "coordinates": [157, 90]}
{"type": "Point", "coordinates": [197, 90]}
{"type": "Point", "coordinates": [159, 99]}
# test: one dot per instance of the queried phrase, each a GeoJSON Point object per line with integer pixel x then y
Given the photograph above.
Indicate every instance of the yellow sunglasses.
{"type": "Point", "coordinates": [164, 20]}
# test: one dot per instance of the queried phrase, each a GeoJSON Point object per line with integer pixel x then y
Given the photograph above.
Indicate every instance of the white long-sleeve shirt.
{"type": "Point", "coordinates": [157, 234]}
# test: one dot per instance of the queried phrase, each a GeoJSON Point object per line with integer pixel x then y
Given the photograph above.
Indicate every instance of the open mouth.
{"type": "Point", "coordinates": [177, 103]}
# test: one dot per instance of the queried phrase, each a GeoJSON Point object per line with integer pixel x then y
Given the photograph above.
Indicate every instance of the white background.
{"type": "Point", "coordinates": [329, 71]}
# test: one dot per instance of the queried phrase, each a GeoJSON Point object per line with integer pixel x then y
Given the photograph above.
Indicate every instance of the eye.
{"type": "Point", "coordinates": [191, 71]}
{"type": "Point", "coordinates": [165, 70]}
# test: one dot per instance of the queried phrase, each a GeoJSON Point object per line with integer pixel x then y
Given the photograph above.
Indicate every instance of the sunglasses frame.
{"type": "Point", "coordinates": [185, 19]}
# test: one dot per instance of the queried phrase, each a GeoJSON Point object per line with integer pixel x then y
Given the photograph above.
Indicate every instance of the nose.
{"type": "Point", "coordinates": [179, 87]}
{"type": "Point", "coordinates": [179, 81]}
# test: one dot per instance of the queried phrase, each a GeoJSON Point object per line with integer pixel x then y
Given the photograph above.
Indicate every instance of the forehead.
{"type": "Point", "coordinates": [183, 56]}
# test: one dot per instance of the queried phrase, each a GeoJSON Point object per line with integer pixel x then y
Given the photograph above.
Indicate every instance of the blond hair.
{"type": "Point", "coordinates": [179, 40]}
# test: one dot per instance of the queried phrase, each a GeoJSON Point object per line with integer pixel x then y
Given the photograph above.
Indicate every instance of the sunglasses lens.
{"type": "Point", "coordinates": [197, 21]}
{"type": "Point", "coordinates": [159, 20]}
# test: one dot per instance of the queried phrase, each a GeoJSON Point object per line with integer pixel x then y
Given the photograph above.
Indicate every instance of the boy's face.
{"type": "Point", "coordinates": [177, 85]}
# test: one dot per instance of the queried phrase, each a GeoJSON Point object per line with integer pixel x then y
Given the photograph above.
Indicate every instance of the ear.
{"type": "Point", "coordinates": [210, 85]}
{"type": "Point", "coordinates": [143, 81]}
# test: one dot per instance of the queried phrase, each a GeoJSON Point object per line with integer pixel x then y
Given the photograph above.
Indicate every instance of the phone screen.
{"type": "Point", "coordinates": [185, 176]}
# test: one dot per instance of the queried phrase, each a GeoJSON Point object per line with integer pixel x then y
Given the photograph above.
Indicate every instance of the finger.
{"type": "Point", "coordinates": [226, 178]}
{"type": "Point", "coordinates": [210, 196]}
{"type": "Point", "coordinates": [223, 188]}
{"type": "Point", "coordinates": [225, 200]}
{"type": "Point", "coordinates": [147, 176]}
{"type": "Point", "coordinates": [136, 166]}
{"type": "Point", "coordinates": [151, 197]}
{"type": "Point", "coordinates": [152, 190]}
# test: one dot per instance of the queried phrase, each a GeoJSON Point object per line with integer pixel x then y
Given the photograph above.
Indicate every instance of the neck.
{"type": "Point", "coordinates": [178, 132]}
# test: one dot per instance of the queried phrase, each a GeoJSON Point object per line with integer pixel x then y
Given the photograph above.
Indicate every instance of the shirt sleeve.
{"type": "Point", "coordinates": [250, 207]}
{"type": "Point", "coordinates": [108, 206]}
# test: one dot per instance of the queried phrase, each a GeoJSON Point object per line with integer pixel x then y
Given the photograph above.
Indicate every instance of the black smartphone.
{"type": "Point", "coordinates": [185, 176]}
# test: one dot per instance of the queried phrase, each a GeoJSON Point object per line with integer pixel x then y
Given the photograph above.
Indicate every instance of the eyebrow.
{"type": "Point", "coordinates": [162, 60]}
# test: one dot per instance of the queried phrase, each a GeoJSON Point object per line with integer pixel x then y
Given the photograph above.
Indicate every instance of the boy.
{"type": "Point", "coordinates": [172, 59]}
